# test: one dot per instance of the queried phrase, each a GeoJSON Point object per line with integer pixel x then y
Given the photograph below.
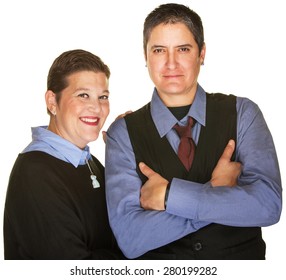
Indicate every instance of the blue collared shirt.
{"type": "Point", "coordinates": [255, 201]}
{"type": "Point", "coordinates": [46, 141]}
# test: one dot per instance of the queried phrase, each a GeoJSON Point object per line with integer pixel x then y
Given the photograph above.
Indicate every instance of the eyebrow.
{"type": "Point", "coordinates": [157, 46]}
{"type": "Point", "coordinates": [106, 91]}
{"type": "Point", "coordinates": [179, 46]}
{"type": "Point", "coordinates": [87, 89]}
{"type": "Point", "coordinates": [185, 45]}
{"type": "Point", "coordinates": [82, 88]}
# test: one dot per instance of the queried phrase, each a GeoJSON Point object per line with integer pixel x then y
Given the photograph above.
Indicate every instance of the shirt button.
{"type": "Point", "coordinates": [198, 246]}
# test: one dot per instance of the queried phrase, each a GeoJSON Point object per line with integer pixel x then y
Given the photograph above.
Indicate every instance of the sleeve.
{"type": "Point", "coordinates": [256, 200]}
{"type": "Point", "coordinates": [146, 230]}
{"type": "Point", "coordinates": [41, 216]}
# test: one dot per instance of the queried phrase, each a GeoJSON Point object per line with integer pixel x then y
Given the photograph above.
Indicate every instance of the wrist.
{"type": "Point", "coordinates": [167, 194]}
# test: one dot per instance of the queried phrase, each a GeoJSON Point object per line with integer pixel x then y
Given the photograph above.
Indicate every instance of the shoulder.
{"type": "Point", "coordinates": [246, 102]}
{"type": "Point", "coordinates": [33, 159]}
{"type": "Point", "coordinates": [243, 104]}
{"type": "Point", "coordinates": [117, 127]}
{"type": "Point", "coordinates": [247, 108]}
{"type": "Point", "coordinates": [35, 172]}
{"type": "Point", "coordinates": [117, 136]}
{"type": "Point", "coordinates": [36, 165]}
{"type": "Point", "coordinates": [38, 157]}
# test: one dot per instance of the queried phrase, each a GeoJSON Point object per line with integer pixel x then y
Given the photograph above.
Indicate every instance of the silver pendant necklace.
{"type": "Point", "coordinates": [95, 183]}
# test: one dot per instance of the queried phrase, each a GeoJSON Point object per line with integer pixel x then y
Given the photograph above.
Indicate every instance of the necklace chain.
{"type": "Point", "coordinates": [94, 181]}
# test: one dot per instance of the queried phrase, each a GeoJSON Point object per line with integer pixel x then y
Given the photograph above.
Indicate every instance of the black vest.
{"type": "Point", "coordinates": [213, 241]}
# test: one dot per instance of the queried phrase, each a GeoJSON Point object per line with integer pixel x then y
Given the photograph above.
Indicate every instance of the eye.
{"type": "Point", "coordinates": [83, 95]}
{"type": "Point", "coordinates": [184, 49]}
{"type": "Point", "coordinates": [103, 97]}
{"type": "Point", "coordinates": [158, 50]}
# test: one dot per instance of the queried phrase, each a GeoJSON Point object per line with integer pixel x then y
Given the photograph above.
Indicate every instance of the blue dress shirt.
{"type": "Point", "coordinates": [255, 201]}
{"type": "Point", "coordinates": [46, 141]}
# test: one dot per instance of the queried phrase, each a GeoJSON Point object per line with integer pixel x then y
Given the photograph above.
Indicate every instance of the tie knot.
{"type": "Point", "coordinates": [185, 131]}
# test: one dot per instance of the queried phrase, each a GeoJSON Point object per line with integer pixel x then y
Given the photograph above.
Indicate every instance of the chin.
{"type": "Point", "coordinates": [93, 137]}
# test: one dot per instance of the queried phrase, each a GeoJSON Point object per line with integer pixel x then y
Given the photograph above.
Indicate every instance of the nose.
{"type": "Point", "coordinates": [95, 106]}
{"type": "Point", "coordinates": [171, 60]}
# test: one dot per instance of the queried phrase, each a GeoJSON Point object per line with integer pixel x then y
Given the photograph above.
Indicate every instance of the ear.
{"type": "Point", "coordinates": [145, 57]}
{"type": "Point", "coordinates": [203, 54]}
{"type": "Point", "coordinates": [51, 102]}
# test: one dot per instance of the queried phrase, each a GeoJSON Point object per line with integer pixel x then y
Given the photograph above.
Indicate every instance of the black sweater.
{"type": "Point", "coordinates": [52, 211]}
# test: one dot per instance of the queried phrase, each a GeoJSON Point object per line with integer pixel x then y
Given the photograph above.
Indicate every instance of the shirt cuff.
{"type": "Point", "coordinates": [167, 194]}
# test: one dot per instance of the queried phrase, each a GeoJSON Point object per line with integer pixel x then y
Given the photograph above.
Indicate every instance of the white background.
{"type": "Point", "coordinates": [245, 56]}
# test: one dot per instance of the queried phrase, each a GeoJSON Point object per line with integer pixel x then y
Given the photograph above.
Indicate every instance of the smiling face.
{"type": "Point", "coordinates": [82, 109]}
{"type": "Point", "coordinates": [173, 60]}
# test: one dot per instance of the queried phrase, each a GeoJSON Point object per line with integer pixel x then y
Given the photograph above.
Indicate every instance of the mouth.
{"type": "Point", "coordinates": [173, 76]}
{"type": "Point", "coordinates": [90, 120]}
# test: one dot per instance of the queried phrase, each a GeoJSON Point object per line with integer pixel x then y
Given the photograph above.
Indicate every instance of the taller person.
{"type": "Point", "coordinates": [208, 210]}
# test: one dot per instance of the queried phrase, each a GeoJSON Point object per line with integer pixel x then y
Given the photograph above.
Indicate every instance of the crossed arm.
{"type": "Point", "coordinates": [153, 191]}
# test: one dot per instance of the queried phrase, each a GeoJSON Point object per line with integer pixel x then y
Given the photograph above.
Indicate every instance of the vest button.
{"type": "Point", "coordinates": [198, 246]}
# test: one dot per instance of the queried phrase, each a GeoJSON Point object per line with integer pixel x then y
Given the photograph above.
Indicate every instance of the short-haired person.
{"type": "Point", "coordinates": [169, 209]}
{"type": "Point", "coordinates": [55, 205]}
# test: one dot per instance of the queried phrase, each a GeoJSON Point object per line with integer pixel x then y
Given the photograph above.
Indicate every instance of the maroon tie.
{"type": "Point", "coordinates": [187, 146]}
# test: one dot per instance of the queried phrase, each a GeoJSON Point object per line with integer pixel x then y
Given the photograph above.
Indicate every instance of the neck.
{"type": "Point", "coordinates": [178, 99]}
{"type": "Point", "coordinates": [180, 112]}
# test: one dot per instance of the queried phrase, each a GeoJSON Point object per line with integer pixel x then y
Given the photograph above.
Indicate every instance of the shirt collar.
{"type": "Point", "coordinates": [163, 118]}
{"type": "Point", "coordinates": [65, 149]}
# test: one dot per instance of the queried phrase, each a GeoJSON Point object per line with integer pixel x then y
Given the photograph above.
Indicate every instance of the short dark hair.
{"type": "Point", "coordinates": [174, 13]}
{"type": "Point", "coordinates": [71, 62]}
